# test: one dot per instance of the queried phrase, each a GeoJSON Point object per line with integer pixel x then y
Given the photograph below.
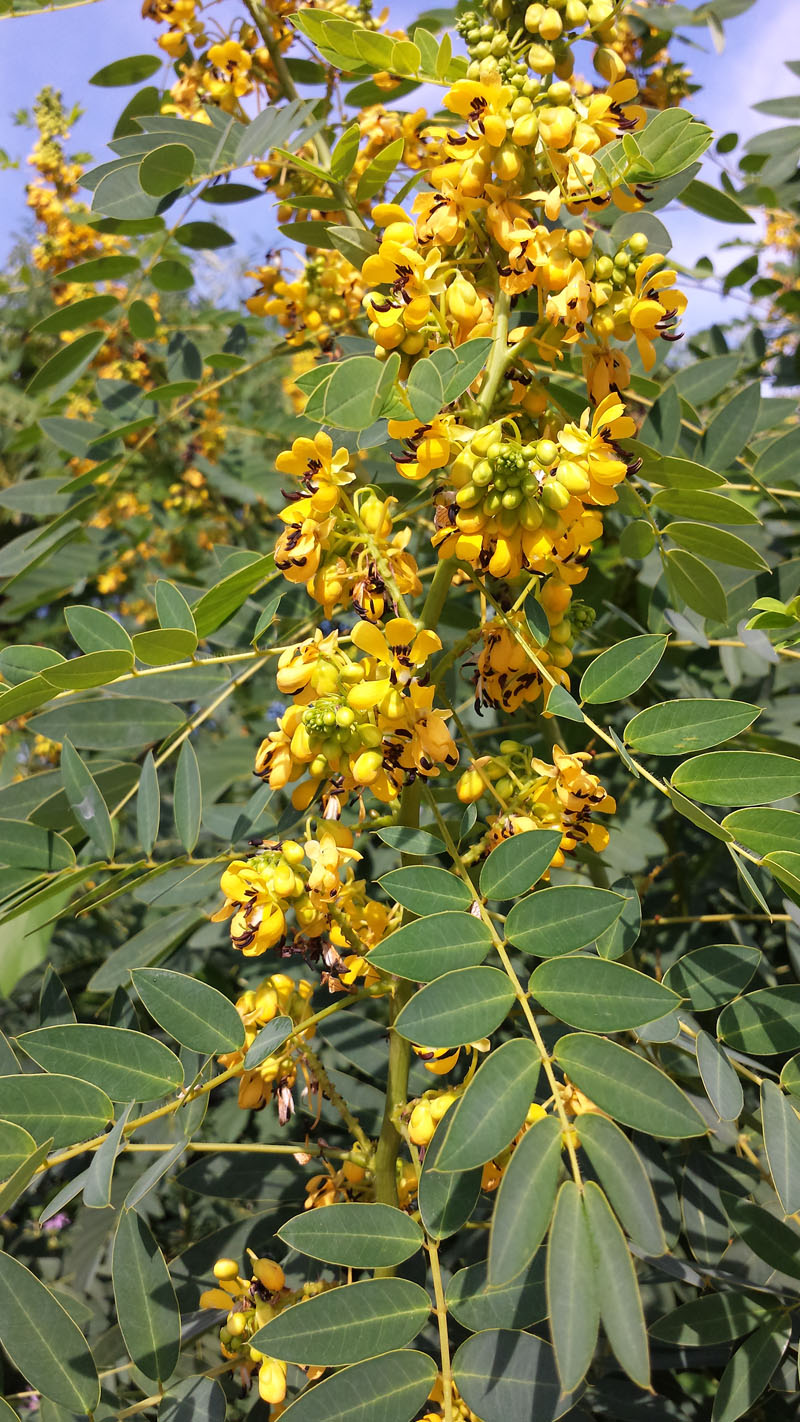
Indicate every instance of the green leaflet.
{"type": "Point", "coordinates": [52, 1105]}
{"type": "Point", "coordinates": [515, 865]}
{"type": "Point", "coordinates": [738, 777]}
{"type": "Point", "coordinates": [351, 1324]}
{"type": "Point", "coordinates": [492, 1109]}
{"type": "Point", "coordinates": [147, 1310]}
{"type": "Point", "coordinates": [675, 727]}
{"type": "Point", "coordinates": [628, 1087]}
{"type": "Point", "coordinates": [358, 1235]}
{"type": "Point", "coordinates": [195, 1014]}
{"type": "Point", "coordinates": [572, 1288]}
{"type": "Point", "coordinates": [710, 977]}
{"type": "Point", "coordinates": [524, 1201]}
{"type": "Point", "coordinates": [620, 1303]}
{"type": "Point", "coordinates": [562, 919]}
{"type": "Point", "coordinates": [129, 1066]}
{"type": "Point", "coordinates": [619, 672]}
{"type": "Point", "coordinates": [502, 1373]}
{"type": "Point", "coordinates": [392, 1387]}
{"type": "Point", "coordinates": [765, 1021]}
{"type": "Point", "coordinates": [457, 1008]}
{"type": "Point", "coordinates": [44, 1343]}
{"type": "Point", "coordinates": [599, 996]}
{"type": "Point", "coordinates": [430, 946]}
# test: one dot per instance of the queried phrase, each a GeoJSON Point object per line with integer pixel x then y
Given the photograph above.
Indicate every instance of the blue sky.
{"type": "Point", "coordinates": [64, 48]}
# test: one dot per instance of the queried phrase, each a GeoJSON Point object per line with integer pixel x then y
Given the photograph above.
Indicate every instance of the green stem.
{"type": "Point", "coordinates": [495, 368]}
{"type": "Point", "coordinates": [437, 593]}
{"type": "Point", "coordinates": [444, 1340]}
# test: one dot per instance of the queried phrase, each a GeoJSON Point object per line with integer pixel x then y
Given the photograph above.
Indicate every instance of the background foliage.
{"type": "Point", "coordinates": [142, 612]}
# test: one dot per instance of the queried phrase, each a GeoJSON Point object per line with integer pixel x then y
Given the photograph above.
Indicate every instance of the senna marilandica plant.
{"type": "Point", "coordinates": [446, 1070]}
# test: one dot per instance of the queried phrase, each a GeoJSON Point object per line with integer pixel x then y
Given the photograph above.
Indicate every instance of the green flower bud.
{"type": "Point", "coordinates": [546, 452]}
{"type": "Point", "coordinates": [541, 59]}
{"type": "Point", "coordinates": [555, 496]}
{"type": "Point", "coordinates": [469, 496]}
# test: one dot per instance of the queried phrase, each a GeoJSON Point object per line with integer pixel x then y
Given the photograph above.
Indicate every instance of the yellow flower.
{"type": "Point", "coordinates": [258, 922]}
{"type": "Point", "coordinates": [414, 279]}
{"type": "Point", "coordinates": [299, 549]}
{"type": "Point", "coordinates": [486, 105]}
{"type": "Point", "coordinates": [326, 855]}
{"type": "Point", "coordinates": [657, 307]}
{"type": "Point", "coordinates": [427, 742]}
{"type": "Point", "coordinates": [606, 372]}
{"type": "Point", "coordinates": [571, 306]}
{"type": "Point", "coordinates": [611, 113]}
{"type": "Point", "coordinates": [233, 64]}
{"type": "Point", "coordinates": [321, 472]}
{"type": "Point", "coordinates": [427, 446]}
{"type": "Point", "coordinates": [443, 216]}
{"type": "Point", "coordinates": [394, 654]}
{"type": "Point", "coordinates": [595, 463]}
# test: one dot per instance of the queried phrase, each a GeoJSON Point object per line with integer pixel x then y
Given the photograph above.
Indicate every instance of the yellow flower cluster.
{"type": "Point", "coordinates": [323, 300]}
{"type": "Point", "coordinates": [535, 794]}
{"type": "Point", "coordinates": [235, 65]}
{"type": "Point", "coordinates": [300, 893]}
{"type": "Point", "coordinates": [517, 507]}
{"type": "Point", "coordinates": [360, 724]}
{"type": "Point", "coordinates": [506, 676]}
{"type": "Point", "coordinates": [66, 237]}
{"type": "Point", "coordinates": [355, 1180]}
{"type": "Point", "coordinates": [665, 82]}
{"type": "Point", "coordinates": [277, 996]}
{"type": "Point", "coordinates": [251, 1303]}
{"type": "Point", "coordinates": [345, 550]}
